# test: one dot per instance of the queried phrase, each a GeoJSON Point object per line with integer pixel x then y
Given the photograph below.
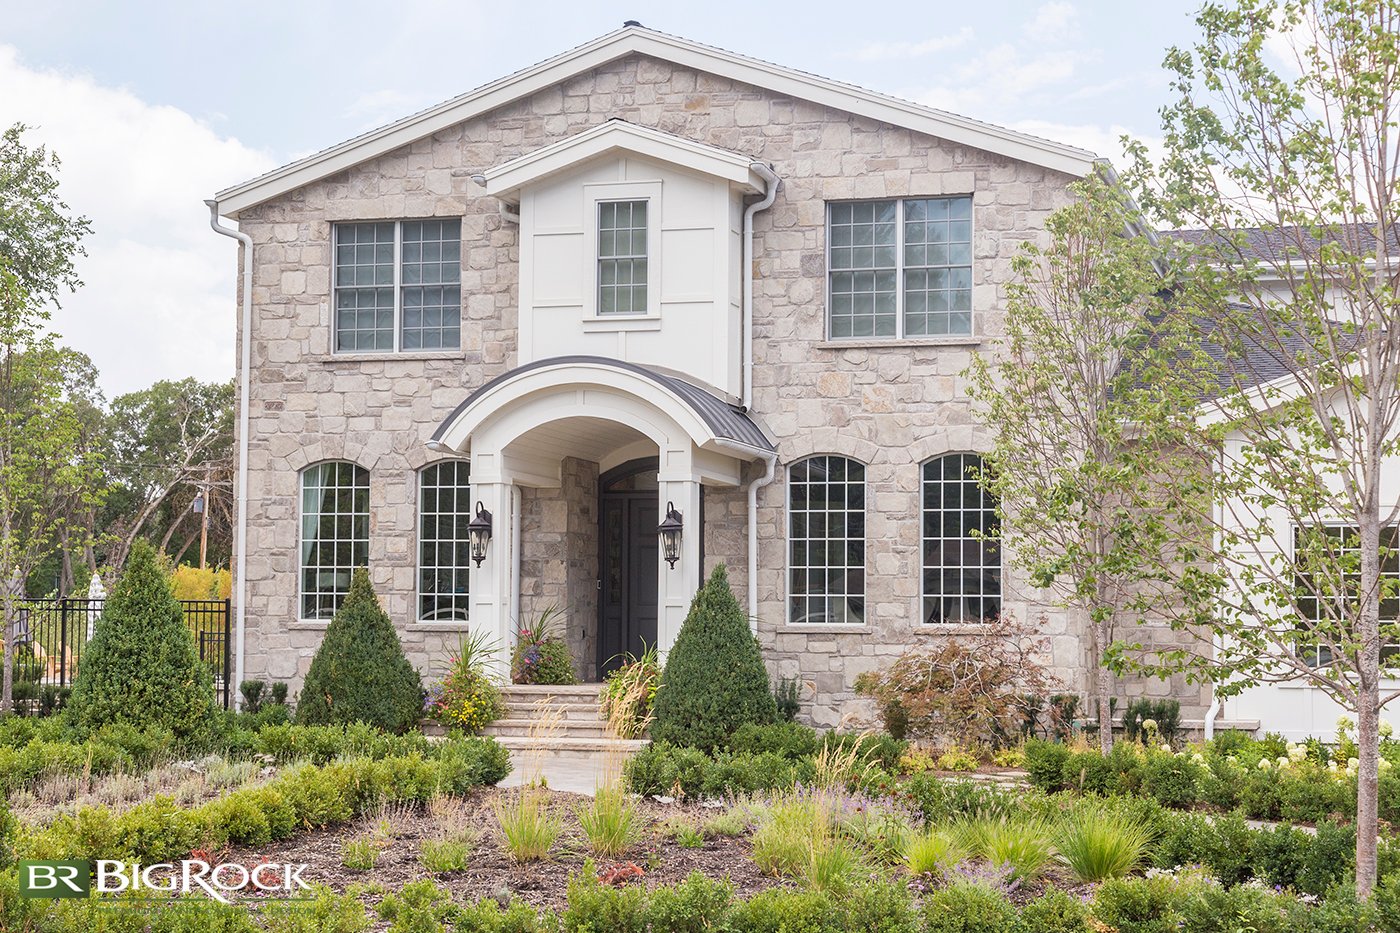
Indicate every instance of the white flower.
{"type": "Point", "coordinates": [1386, 729]}
{"type": "Point", "coordinates": [1353, 764]}
{"type": "Point", "coordinates": [1166, 748]}
{"type": "Point", "coordinates": [1345, 722]}
{"type": "Point", "coordinates": [1265, 764]}
{"type": "Point", "coordinates": [1297, 752]}
{"type": "Point", "coordinates": [1283, 761]}
{"type": "Point", "coordinates": [1385, 765]}
{"type": "Point", "coordinates": [1150, 724]}
{"type": "Point", "coordinates": [1198, 758]}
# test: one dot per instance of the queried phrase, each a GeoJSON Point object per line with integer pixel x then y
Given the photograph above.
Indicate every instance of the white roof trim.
{"type": "Point", "coordinates": [505, 180]}
{"type": "Point", "coordinates": [637, 40]}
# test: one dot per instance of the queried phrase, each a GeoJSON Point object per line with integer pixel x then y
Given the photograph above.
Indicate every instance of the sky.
{"type": "Point", "coordinates": [153, 107]}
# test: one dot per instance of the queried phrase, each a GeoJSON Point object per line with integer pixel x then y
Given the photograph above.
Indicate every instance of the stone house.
{"type": "Point", "coordinates": [644, 278]}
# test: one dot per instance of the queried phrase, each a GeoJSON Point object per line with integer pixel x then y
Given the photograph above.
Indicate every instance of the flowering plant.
{"type": "Point", "coordinates": [631, 691]}
{"type": "Point", "coordinates": [466, 698]}
{"type": "Point", "coordinates": [540, 656]}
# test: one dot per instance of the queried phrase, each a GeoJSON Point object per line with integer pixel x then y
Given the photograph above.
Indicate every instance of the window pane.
{"type": "Point", "coordinates": [444, 497]}
{"type": "Point", "coordinates": [1327, 592]}
{"type": "Point", "coordinates": [938, 267]}
{"type": "Point", "coordinates": [961, 569]}
{"type": "Point", "coordinates": [364, 309]}
{"type": "Point", "coordinates": [622, 257]}
{"type": "Point", "coordinates": [431, 276]}
{"type": "Point", "coordinates": [334, 538]}
{"type": "Point", "coordinates": [826, 540]}
{"type": "Point", "coordinates": [862, 237]}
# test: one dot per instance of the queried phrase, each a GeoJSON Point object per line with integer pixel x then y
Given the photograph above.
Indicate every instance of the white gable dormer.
{"type": "Point", "coordinates": [630, 248]}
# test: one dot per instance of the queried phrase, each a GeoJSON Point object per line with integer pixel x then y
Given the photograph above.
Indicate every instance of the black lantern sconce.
{"type": "Point", "coordinates": [479, 532]}
{"type": "Point", "coordinates": [670, 532]}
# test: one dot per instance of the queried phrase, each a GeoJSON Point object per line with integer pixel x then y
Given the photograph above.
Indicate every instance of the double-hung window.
{"type": "Point", "coordinates": [962, 558]}
{"type": "Point", "coordinates": [900, 268]}
{"type": "Point", "coordinates": [444, 543]}
{"type": "Point", "coordinates": [1327, 582]}
{"type": "Point", "coordinates": [826, 541]}
{"type": "Point", "coordinates": [334, 534]}
{"type": "Point", "coordinates": [622, 257]}
{"type": "Point", "coordinates": [398, 286]}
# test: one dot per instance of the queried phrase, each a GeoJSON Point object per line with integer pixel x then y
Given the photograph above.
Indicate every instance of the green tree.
{"type": "Point", "coordinates": [360, 673]}
{"type": "Point", "coordinates": [41, 462]}
{"type": "Point", "coordinates": [141, 666]}
{"type": "Point", "coordinates": [1280, 151]}
{"type": "Point", "coordinates": [1090, 394]}
{"type": "Point", "coordinates": [714, 680]}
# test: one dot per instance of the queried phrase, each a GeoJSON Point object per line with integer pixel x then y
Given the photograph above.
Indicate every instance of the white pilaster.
{"type": "Point", "coordinates": [680, 486]}
{"type": "Point", "coordinates": [490, 583]}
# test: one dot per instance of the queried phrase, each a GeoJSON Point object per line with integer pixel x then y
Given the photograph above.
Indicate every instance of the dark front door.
{"type": "Point", "coordinates": [628, 552]}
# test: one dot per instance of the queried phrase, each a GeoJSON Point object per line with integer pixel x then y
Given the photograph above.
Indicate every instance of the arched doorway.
{"type": "Point", "coordinates": [628, 551]}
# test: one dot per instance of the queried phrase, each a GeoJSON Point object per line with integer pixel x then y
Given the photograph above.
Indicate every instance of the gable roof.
{"type": "Point", "coordinates": [505, 180]}
{"type": "Point", "coordinates": [631, 40]}
{"type": "Point", "coordinates": [1290, 243]}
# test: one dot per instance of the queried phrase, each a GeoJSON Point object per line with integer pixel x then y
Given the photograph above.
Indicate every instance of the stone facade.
{"type": "Point", "coordinates": [889, 404]}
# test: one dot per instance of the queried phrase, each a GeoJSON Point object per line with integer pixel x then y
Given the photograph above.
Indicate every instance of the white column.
{"type": "Point", "coordinates": [677, 586]}
{"type": "Point", "coordinates": [491, 582]}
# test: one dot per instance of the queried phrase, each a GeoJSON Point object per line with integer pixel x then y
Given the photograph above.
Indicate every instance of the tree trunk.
{"type": "Point", "coordinates": [1368, 701]}
{"type": "Point", "coordinates": [1103, 687]}
{"type": "Point", "coordinates": [7, 684]}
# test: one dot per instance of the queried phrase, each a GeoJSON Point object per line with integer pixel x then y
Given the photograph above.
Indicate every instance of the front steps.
{"type": "Point", "coordinates": [556, 718]}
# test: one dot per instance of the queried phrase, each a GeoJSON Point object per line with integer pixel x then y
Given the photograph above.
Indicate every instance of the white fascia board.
{"type": "Point", "coordinates": [629, 40]}
{"type": "Point", "coordinates": [505, 180]}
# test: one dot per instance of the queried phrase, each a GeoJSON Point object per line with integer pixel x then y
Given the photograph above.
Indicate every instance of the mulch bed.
{"type": "Point", "coordinates": [491, 872]}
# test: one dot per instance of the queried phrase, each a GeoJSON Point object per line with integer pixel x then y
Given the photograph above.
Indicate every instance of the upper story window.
{"type": "Point", "coordinates": [826, 540]}
{"type": "Point", "coordinates": [962, 568]}
{"type": "Point", "coordinates": [622, 257]}
{"type": "Point", "coordinates": [398, 286]}
{"type": "Point", "coordinates": [1327, 579]}
{"type": "Point", "coordinates": [900, 268]}
{"type": "Point", "coordinates": [334, 534]}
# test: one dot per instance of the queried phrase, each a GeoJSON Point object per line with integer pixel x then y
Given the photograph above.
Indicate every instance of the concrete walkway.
{"type": "Point", "coordinates": [578, 772]}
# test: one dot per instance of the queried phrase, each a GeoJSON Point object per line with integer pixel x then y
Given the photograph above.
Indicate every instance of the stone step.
{"type": "Point", "coordinates": [572, 728]}
{"type": "Point", "coordinates": [561, 690]}
{"type": "Point", "coordinates": [520, 743]}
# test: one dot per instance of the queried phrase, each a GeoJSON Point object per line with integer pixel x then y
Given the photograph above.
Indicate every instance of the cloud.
{"type": "Point", "coordinates": [377, 108]}
{"type": "Point", "coordinates": [1104, 140]}
{"type": "Point", "coordinates": [886, 51]}
{"type": "Point", "coordinates": [158, 298]}
{"type": "Point", "coordinates": [1001, 77]}
{"type": "Point", "coordinates": [1051, 22]}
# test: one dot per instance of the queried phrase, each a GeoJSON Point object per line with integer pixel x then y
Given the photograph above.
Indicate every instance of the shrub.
{"type": "Point", "coordinates": [141, 667]}
{"type": "Point", "coordinates": [1308, 793]}
{"type": "Point", "coordinates": [696, 905]}
{"type": "Point", "coordinates": [788, 739]}
{"type": "Point", "coordinates": [1171, 779]}
{"type": "Point", "coordinates": [1222, 844]}
{"type": "Point", "coordinates": [957, 759]}
{"type": "Point", "coordinates": [488, 916]}
{"type": "Point", "coordinates": [787, 695]}
{"type": "Point", "coordinates": [540, 656]}
{"type": "Point", "coordinates": [939, 801]}
{"type": "Point", "coordinates": [1260, 795]}
{"type": "Point", "coordinates": [714, 680]}
{"type": "Point", "coordinates": [1139, 905]}
{"type": "Point", "coordinates": [972, 690]}
{"type": "Point", "coordinates": [1164, 717]}
{"type": "Point", "coordinates": [466, 698]}
{"type": "Point", "coordinates": [877, 748]}
{"type": "Point", "coordinates": [630, 695]}
{"type": "Point", "coordinates": [444, 855]}
{"type": "Point", "coordinates": [1089, 773]}
{"type": "Point", "coordinates": [1278, 853]}
{"type": "Point", "coordinates": [968, 908]}
{"type": "Point", "coordinates": [596, 908]}
{"type": "Point", "coordinates": [1328, 858]}
{"type": "Point", "coordinates": [1098, 844]}
{"type": "Point", "coordinates": [664, 769]}
{"type": "Point", "coordinates": [881, 907]}
{"type": "Point", "coordinates": [418, 907]}
{"type": "Point", "coordinates": [1055, 912]}
{"type": "Point", "coordinates": [1046, 764]}
{"type": "Point", "coordinates": [9, 826]}
{"type": "Point", "coordinates": [782, 910]}
{"type": "Point", "coordinates": [360, 673]}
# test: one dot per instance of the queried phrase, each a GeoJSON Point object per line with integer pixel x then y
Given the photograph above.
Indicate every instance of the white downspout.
{"type": "Point", "coordinates": [769, 176]}
{"type": "Point", "coordinates": [516, 520]}
{"type": "Point", "coordinates": [770, 470]}
{"type": "Point", "coordinates": [245, 366]}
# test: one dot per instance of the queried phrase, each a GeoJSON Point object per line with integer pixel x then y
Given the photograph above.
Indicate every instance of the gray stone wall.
{"type": "Point", "coordinates": [890, 405]}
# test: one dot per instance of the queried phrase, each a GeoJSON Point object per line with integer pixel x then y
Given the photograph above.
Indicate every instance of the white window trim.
{"type": "Point", "coordinates": [398, 290]}
{"type": "Point", "coordinates": [864, 624]}
{"type": "Point", "coordinates": [921, 616]}
{"type": "Point", "coordinates": [593, 194]}
{"type": "Point", "coordinates": [900, 337]}
{"type": "Point", "coordinates": [417, 612]}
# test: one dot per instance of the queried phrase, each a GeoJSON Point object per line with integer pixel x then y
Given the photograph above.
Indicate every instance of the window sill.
{"type": "Point", "coordinates": [454, 626]}
{"type": "Point", "coordinates": [595, 325]}
{"type": "Point", "coordinates": [829, 628]}
{"type": "Point", "coordinates": [307, 625]}
{"type": "Point", "coordinates": [873, 343]}
{"type": "Point", "coordinates": [331, 359]}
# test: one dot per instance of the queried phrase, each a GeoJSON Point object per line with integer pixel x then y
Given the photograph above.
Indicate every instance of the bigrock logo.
{"type": "Point", "coordinates": [222, 882]}
{"type": "Point", "coordinates": [55, 879]}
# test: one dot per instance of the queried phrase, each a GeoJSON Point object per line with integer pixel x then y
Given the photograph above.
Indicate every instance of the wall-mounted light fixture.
{"type": "Point", "coordinates": [479, 533]}
{"type": "Point", "coordinates": [670, 532]}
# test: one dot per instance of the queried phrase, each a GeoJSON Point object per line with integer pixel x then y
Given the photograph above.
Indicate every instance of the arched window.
{"type": "Point", "coordinates": [826, 540]}
{"type": "Point", "coordinates": [444, 547]}
{"type": "Point", "coordinates": [962, 570]}
{"type": "Point", "coordinates": [334, 534]}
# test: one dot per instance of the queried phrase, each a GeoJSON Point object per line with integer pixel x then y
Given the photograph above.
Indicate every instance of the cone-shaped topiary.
{"type": "Point", "coordinates": [714, 680]}
{"type": "Point", "coordinates": [360, 673]}
{"type": "Point", "coordinates": [141, 667]}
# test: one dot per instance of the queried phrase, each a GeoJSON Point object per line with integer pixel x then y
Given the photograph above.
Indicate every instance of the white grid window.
{"type": "Point", "coordinates": [900, 268]}
{"type": "Point", "coordinates": [962, 570]}
{"type": "Point", "coordinates": [444, 548]}
{"type": "Point", "coordinates": [398, 286]}
{"type": "Point", "coordinates": [622, 257]}
{"type": "Point", "coordinates": [334, 534]}
{"type": "Point", "coordinates": [826, 540]}
{"type": "Point", "coordinates": [1327, 581]}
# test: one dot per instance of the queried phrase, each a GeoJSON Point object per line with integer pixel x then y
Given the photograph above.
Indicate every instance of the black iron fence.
{"type": "Point", "coordinates": [50, 635]}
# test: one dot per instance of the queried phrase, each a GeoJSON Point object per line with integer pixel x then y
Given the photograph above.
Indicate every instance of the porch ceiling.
{"type": "Point", "coordinates": [586, 438]}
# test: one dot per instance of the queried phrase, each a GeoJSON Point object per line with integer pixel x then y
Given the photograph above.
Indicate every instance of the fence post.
{"type": "Point", "coordinates": [228, 671]}
{"type": "Point", "coordinates": [63, 643]}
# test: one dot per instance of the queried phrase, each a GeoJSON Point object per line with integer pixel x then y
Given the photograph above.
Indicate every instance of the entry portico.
{"type": "Point", "coordinates": [521, 429]}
